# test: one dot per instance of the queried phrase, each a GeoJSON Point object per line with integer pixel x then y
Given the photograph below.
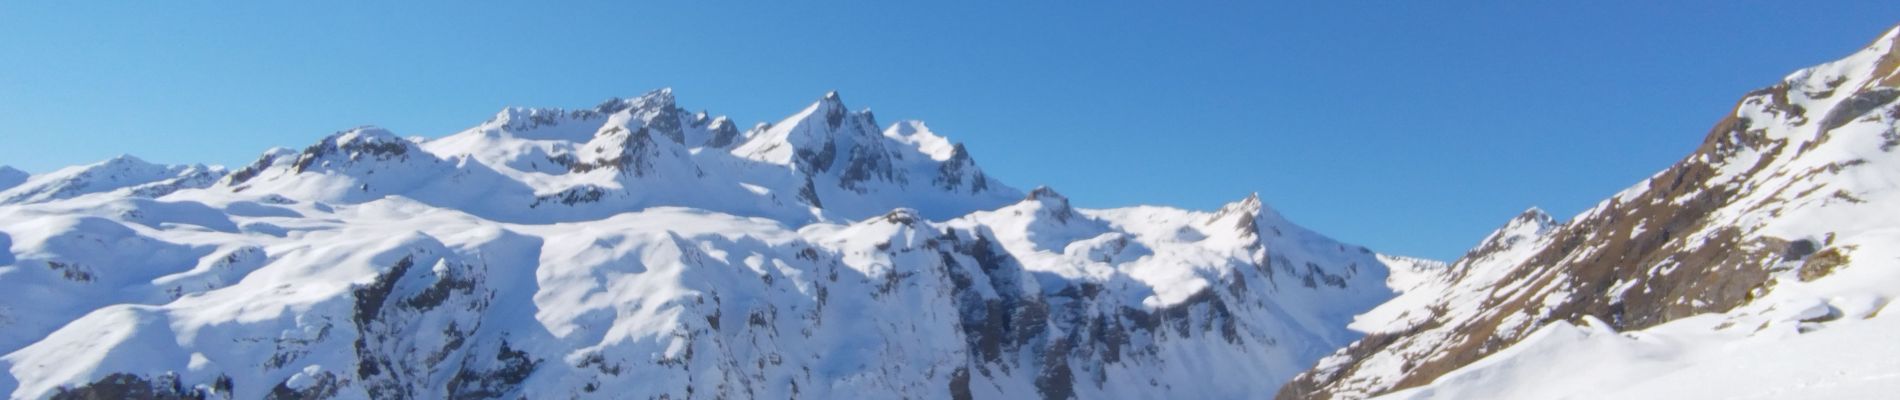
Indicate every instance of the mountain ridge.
{"type": "Point", "coordinates": [627, 250]}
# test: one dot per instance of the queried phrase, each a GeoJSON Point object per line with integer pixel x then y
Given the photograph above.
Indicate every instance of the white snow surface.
{"type": "Point", "coordinates": [1822, 339]}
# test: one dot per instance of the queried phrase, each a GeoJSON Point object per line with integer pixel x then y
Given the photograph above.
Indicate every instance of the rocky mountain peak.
{"type": "Point", "coordinates": [1050, 204]}
{"type": "Point", "coordinates": [656, 107]}
{"type": "Point", "coordinates": [1245, 211]}
{"type": "Point", "coordinates": [817, 137]}
{"type": "Point", "coordinates": [655, 100]}
{"type": "Point", "coordinates": [1045, 193]}
{"type": "Point", "coordinates": [633, 151]}
{"type": "Point", "coordinates": [361, 144]}
{"type": "Point", "coordinates": [724, 134]}
{"type": "Point", "coordinates": [1534, 215]}
{"type": "Point", "coordinates": [1047, 196]}
{"type": "Point", "coordinates": [831, 110]}
{"type": "Point", "coordinates": [1526, 226]}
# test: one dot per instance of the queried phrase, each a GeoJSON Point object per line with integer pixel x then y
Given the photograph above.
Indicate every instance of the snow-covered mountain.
{"type": "Point", "coordinates": [120, 176]}
{"type": "Point", "coordinates": [1756, 267]}
{"type": "Point", "coordinates": [637, 250]}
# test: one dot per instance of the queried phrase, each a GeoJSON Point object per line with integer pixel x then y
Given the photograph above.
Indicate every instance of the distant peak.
{"type": "Point", "coordinates": [1046, 193]}
{"type": "Point", "coordinates": [831, 103]}
{"type": "Point", "coordinates": [1051, 204]}
{"type": "Point", "coordinates": [1251, 201]}
{"type": "Point", "coordinates": [1531, 223]}
{"type": "Point", "coordinates": [371, 130]}
{"type": "Point", "coordinates": [125, 159]}
{"type": "Point", "coordinates": [1536, 215]}
{"type": "Point", "coordinates": [902, 216]}
{"type": "Point", "coordinates": [661, 96]}
{"type": "Point", "coordinates": [365, 133]}
{"type": "Point", "coordinates": [1250, 204]}
{"type": "Point", "coordinates": [352, 145]}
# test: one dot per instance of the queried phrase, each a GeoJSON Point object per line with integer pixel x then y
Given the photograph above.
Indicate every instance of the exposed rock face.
{"type": "Point", "coordinates": [1759, 196]}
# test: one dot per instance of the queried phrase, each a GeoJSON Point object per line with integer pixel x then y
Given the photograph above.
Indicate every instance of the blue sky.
{"type": "Point", "coordinates": [1411, 127]}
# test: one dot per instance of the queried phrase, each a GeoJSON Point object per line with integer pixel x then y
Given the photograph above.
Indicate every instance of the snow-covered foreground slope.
{"type": "Point", "coordinates": [635, 250]}
{"type": "Point", "coordinates": [1757, 267]}
{"type": "Point", "coordinates": [1691, 358]}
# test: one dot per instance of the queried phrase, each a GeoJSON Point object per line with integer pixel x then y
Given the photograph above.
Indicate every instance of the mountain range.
{"type": "Point", "coordinates": [636, 249]}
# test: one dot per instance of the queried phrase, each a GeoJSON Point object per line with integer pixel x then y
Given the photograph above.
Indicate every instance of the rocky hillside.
{"type": "Point", "coordinates": [1749, 233]}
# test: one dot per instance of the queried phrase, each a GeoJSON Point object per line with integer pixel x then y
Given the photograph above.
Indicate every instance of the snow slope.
{"type": "Point", "coordinates": [635, 250]}
{"type": "Point", "coordinates": [1754, 268]}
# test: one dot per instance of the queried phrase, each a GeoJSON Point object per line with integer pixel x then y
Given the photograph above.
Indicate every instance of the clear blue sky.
{"type": "Point", "coordinates": [1412, 127]}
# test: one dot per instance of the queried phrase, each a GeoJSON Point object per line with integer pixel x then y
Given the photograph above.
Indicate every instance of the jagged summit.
{"type": "Point", "coordinates": [1045, 203]}
{"type": "Point", "coordinates": [815, 137]}
{"type": "Point", "coordinates": [1249, 215]}
{"type": "Point", "coordinates": [1045, 193]}
{"type": "Point", "coordinates": [831, 103]}
{"type": "Point", "coordinates": [1529, 225]}
{"type": "Point", "coordinates": [1535, 214]}
{"type": "Point", "coordinates": [1250, 206]}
